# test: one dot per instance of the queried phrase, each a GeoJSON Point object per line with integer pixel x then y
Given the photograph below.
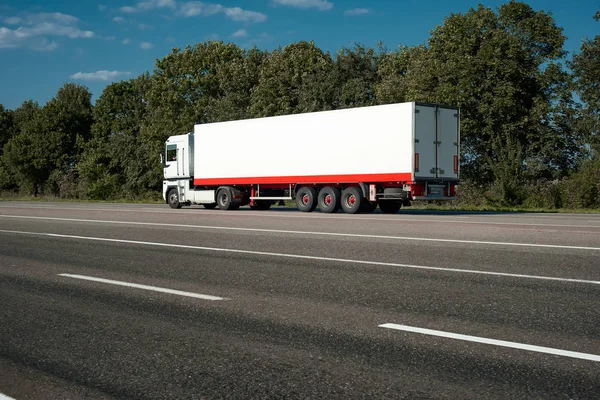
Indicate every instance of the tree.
{"type": "Point", "coordinates": [502, 68]}
{"type": "Point", "coordinates": [7, 126]}
{"type": "Point", "coordinates": [48, 140]}
{"type": "Point", "coordinates": [296, 79]}
{"type": "Point", "coordinates": [114, 160]}
{"type": "Point", "coordinates": [392, 85]}
{"type": "Point", "coordinates": [356, 76]}
{"type": "Point", "coordinates": [586, 71]}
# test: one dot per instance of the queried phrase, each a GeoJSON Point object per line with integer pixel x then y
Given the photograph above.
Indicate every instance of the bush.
{"type": "Point", "coordinates": [582, 188]}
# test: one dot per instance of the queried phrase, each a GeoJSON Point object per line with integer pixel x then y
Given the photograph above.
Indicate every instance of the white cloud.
{"type": "Point", "coordinates": [198, 8]}
{"type": "Point", "coordinates": [34, 29]}
{"type": "Point", "coordinates": [44, 45]}
{"type": "Point", "coordinates": [318, 4]}
{"type": "Point", "coordinates": [195, 8]}
{"type": "Point", "coordinates": [13, 20]}
{"type": "Point", "coordinates": [102, 75]}
{"type": "Point", "coordinates": [149, 5]}
{"type": "Point", "coordinates": [240, 33]}
{"type": "Point", "coordinates": [237, 14]}
{"type": "Point", "coordinates": [126, 41]}
{"type": "Point", "coordinates": [146, 45]}
{"type": "Point", "coordinates": [101, 7]}
{"type": "Point", "coordinates": [118, 20]}
{"type": "Point", "coordinates": [145, 27]}
{"type": "Point", "coordinates": [357, 11]}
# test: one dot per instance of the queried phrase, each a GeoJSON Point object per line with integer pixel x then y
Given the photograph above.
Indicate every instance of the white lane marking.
{"type": "Point", "coordinates": [346, 217]}
{"type": "Point", "coordinates": [352, 235]}
{"type": "Point", "coordinates": [5, 397]}
{"type": "Point", "coordinates": [145, 287]}
{"type": "Point", "coordinates": [502, 343]}
{"type": "Point", "coordinates": [304, 257]}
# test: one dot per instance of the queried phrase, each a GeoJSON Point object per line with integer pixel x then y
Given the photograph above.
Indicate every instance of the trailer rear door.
{"type": "Point", "coordinates": [436, 142]}
{"type": "Point", "coordinates": [425, 163]}
{"type": "Point", "coordinates": [447, 146]}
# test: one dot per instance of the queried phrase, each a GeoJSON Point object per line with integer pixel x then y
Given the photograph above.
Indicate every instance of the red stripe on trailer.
{"type": "Point", "coordinates": [313, 179]}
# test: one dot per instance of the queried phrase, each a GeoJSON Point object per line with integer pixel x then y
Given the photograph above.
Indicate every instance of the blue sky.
{"type": "Point", "coordinates": [44, 44]}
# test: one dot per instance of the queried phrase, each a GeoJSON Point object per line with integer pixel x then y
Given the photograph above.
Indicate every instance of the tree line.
{"type": "Point", "coordinates": [530, 112]}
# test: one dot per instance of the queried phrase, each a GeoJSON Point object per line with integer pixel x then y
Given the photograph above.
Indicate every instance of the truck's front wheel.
{"type": "Point", "coordinates": [173, 198]}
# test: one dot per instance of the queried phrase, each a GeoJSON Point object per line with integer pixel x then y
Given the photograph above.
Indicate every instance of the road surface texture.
{"type": "Point", "coordinates": [105, 301]}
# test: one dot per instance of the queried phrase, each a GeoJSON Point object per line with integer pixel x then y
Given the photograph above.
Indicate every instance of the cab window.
{"type": "Point", "coordinates": [171, 152]}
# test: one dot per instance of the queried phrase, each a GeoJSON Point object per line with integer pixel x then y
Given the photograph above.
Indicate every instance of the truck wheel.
{"type": "Point", "coordinates": [329, 199]}
{"type": "Point", "coordinates": [389, 207]}
{"type": "Point", "coordinates": [352, 200]}
{"type": "Point", "coordinates": [306, 199]}
{"type": "Point", "coordinates": [173, 199]}
{"type": "Point", "coordinates": [225, 200]}
{"type": "Point", "coordinates": [210, 206]}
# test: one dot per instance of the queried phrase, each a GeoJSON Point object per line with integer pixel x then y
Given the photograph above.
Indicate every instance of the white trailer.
{"type": "Point", "coordinates": [354, 159]}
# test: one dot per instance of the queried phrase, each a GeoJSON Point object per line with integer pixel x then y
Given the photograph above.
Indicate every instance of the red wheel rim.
{"type": "Point", "coordinates": [305, 199]}
{"type": "Point", "coordinates": [328, 199]}
{"type": "Point", "coordinates": [352, 200]}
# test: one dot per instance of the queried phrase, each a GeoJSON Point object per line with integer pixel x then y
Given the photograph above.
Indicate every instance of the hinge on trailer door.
{"type": "Point", "coordinates": [456, 144]}
{"type": "Point", "coordinates": [416, 140]}
{"type": "Point", "coordinates": [417, 111]}
{"type": "Point", "coordinates": [437, 142]}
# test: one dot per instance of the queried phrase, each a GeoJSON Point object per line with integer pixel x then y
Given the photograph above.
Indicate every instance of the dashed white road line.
{"type": "Point", "coordinates": [352, 235]}
{"type": "Point", "coordinates": [145, 287]}
{"type": "Point", "coordinates": [502, 343]}
{"type": "Point", "coordinates": [305, 257]}
{"type": "Point", "coordinates": [5, 397]}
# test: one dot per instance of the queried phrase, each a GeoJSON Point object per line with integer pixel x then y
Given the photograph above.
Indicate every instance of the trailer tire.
{"type": "Point", "coordinates": [210, 206]}
{"type": "Point", "coordinates": [173, 199]}
{"type": "Point", "coordinates": [306, 199]}
{"type": "Point", "coordinates": [389, 207]}
{"type": "Point", "coordinates": [329, 199]}
{"type": "Point", "coordinates": [352, 199]}
{"type": "Point", "coordinates": [225, 199]}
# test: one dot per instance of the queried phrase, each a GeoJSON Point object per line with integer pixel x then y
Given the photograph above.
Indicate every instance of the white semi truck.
{"type": "Point", "coordinates": [353, 159]}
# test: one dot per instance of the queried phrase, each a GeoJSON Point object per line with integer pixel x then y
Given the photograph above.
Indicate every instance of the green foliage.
{"type": "Point", "coordinates": [7, 126]}
{"type": "Point", "coordinates": [586, 72]}
{"type": "Point", "coordinates": [500, 68]}
{"type": "Point", "coordinates": [356, 76]}
{"type": "Point", "coordinates": [296, 79]}
{"type": "Point", "coordinates": [48, 141]}
{"type": "Point", "coordinates": [582, 189]}
{"type": "Point", "coordinates": [526, 141]}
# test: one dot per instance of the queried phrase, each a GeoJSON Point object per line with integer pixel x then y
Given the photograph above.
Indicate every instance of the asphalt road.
{"type": "Point", "coordinates": [282, 304]}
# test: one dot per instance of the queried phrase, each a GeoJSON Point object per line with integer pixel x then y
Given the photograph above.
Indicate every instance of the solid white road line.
{"type": "Point", "coordinates": [5, 397]}
{"type": "Point", "coordinates": [145, 287]}
{"type": "Point", "coordinates": [352, 235]}
{"type": "Point", "coordinates": [304, 257]}
{"type": "Point", "coordinates": [503, 343]}
{"type": "Point", "coordinates": [346, 217]}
